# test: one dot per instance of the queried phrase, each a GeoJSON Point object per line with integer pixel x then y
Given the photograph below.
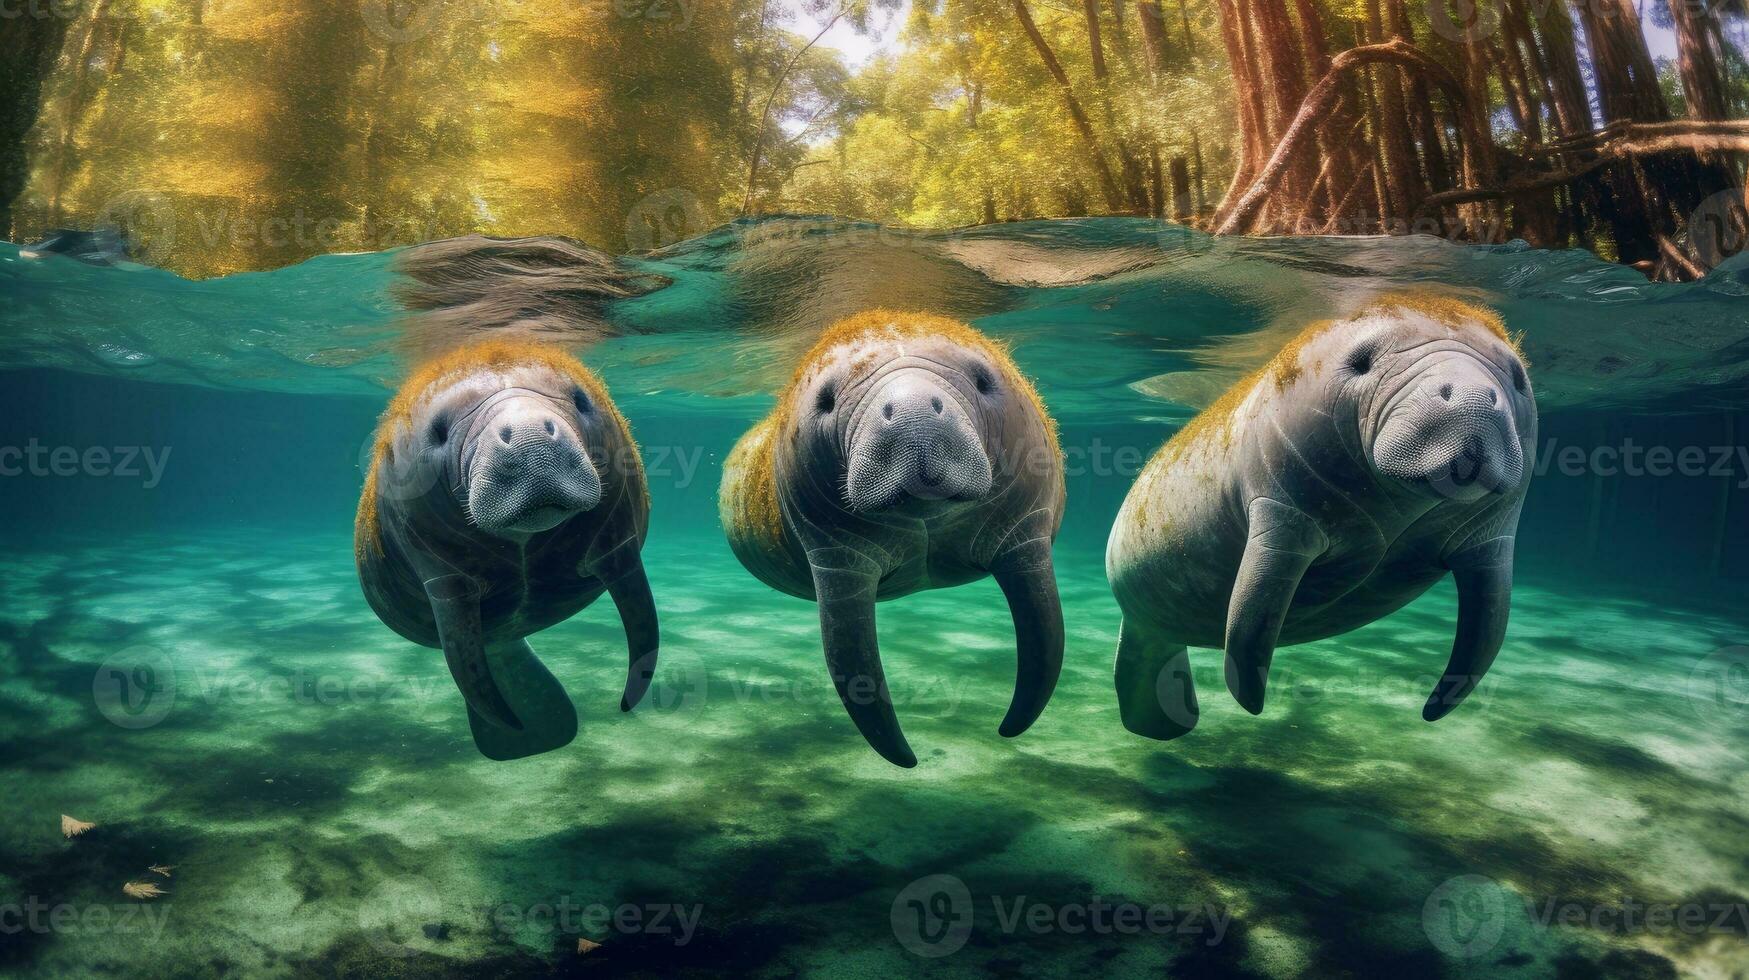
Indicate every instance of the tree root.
{"type": "Point", "coordinates": [1317, 105]}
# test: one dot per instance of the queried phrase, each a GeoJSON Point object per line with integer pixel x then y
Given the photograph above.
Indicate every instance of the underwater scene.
{"type": "Point", "coordinates": [222, 760]}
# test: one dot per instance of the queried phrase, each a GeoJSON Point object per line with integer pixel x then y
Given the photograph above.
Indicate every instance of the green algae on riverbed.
{"type": "Point", "coordinates": [314, 784]}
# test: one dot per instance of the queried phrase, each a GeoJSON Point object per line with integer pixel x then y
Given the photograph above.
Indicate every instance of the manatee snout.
{"type": "Point", "coordinates": [529, 470]}
{"type": "Point", "coordinates": [1452, 429]}
{"type": "Point", "coordinates": [913, 440]}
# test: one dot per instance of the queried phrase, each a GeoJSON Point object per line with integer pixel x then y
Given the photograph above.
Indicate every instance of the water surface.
{"type": "Point", "coordinates": [310, 777]}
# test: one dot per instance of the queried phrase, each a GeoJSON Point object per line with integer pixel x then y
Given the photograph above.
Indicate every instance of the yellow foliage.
{"type": "Point", "coordinates": [210, 177]}
{"type": "Point", "coordinates": [247, 110]}
{"type": "Point", "coordinates": [251, 20]}
{"type": "Point", "coordinates": [544, 98]}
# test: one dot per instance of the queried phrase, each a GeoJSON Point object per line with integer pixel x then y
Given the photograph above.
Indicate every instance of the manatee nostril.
{"type": "Point", "coordinates": [1493, 396]}
{"type": "Point", "coordinates": [552, 430]}
{"type": "Point", "coordinates": [504, 435]}
{"type": "Point", "coordinates": [935, 403]}
{"type": "Point", "coordinates": [887, 411]}
{"type": "Point", "coordinates": [1445, 392]}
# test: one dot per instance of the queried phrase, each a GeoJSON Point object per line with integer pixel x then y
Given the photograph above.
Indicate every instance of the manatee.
{"type": "Point", "coordinates": [505, 494]}
{"type": "Point", "coordinates": [1340, 481]}
{"type": "Point", "coordinates": [907, 453]}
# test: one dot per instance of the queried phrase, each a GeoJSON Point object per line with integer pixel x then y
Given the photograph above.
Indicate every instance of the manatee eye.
{"type": "Point", "coordinates": [581, 399]}
{"type": "Point", "coordinates": [1360, 359]}
{"type": "Point", "coordinates": [439, 431]}
{"type": "Point", "coordinates": [982, 379]}
{"type": "Point", "coordinates": [1519, 381]}
{"type": "Point", "coordinates": [826, 400]}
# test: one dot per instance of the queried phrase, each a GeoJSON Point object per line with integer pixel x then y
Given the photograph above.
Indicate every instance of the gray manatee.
{"type": "Point", "coordinates": [907, 453]}
{"type": "Point", "coordinates": [504, 495]}
{"type": "Point", "coordinates": [1325, 491]}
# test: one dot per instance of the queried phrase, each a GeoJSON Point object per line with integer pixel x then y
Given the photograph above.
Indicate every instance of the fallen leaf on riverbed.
{"type": "Point", "coordinates": [71, 827]}
{"type": "Point", "coordinates": [142, 890]}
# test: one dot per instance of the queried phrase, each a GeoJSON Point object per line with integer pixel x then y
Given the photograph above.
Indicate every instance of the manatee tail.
{"type": "Point", "coordinates": [535, 698]}
{"type": "Point", "coordinates": [1155, 694]}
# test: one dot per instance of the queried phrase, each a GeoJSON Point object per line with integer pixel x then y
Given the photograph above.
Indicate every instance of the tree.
{"type": "Point", "coordinates": [1634, 181]}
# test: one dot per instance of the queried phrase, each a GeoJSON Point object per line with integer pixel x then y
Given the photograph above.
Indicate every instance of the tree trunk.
{"type": "Point", "coordinates": [1180, 189]}
{"type": "Point", "coordinates": [1479, 160]}
{"type": "Point", "coordinates": [1317, 103]}
{"type": "Point", "coordinates": [1402, 171]}
{"type": "Point", "coordinates": [765, 115]}
{"type": "Point", "coordinates": [1090, 147]}
{"type": "Point", "coordinates": [26, 61]}
{"type": "Point", "coordinates": [1703, 79]}
{"type": "Point", "coordinates": [1153, 35]}
{"type": "Point", "coordinates": [1523, 80]}
{"type": "Point", "coordinates": [1196, 157]}
{"type": "Point", "coordinates": [75, 107]}
{"type": "Point", "coordinates": [1157, 181]}
{"type": "Point", "coordinates": [1248, 94]}
{"type": "Point", "coordinates": [1135, 183]}
{"type": "Point", "coordinates": [1572, 106]}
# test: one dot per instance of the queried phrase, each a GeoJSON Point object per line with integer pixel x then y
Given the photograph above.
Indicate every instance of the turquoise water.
{"type": "Point", "coordinates": [310, 780]}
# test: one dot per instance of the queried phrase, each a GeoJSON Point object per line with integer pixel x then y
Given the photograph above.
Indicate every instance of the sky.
{"type": "Point", "coordinates": [883, 35]}
{"type": "Point", "coordinates": [883, 30]}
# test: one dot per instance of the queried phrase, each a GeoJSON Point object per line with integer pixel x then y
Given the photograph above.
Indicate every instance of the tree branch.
{"type": "Point", "coordinates": [1316, 107]}
{"type": "Point", "coordinates": [1089, 142]}
{"type": "Point", "coordinates": [765, 116]}
{"type": "Point", "coordinates": [1623, 149]}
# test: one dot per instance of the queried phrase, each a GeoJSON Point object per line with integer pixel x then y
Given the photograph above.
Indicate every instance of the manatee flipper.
{"type": "Point", "coordinates": [853, 657]}
{"type": "Point", "coordinates": [515, 706]}
{"type": "Point", "coordinates": [1282, 544]}
{"type": "Point", "coordinates": [455, 605]}
{"type": "Point", "coordinates": [1030, 584]}
{"type": "Point", "coordinates": [537, 700]}
{"type": "Point", "coordinates": [1484, 585]}
{"type": "Point", "coordinates": [637, 611]}
{"type": "Point", "coordinates": [1156, 697]}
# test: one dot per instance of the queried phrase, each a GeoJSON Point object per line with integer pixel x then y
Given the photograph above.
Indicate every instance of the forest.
{"type": "Point", "coordinates": [228, 135]}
